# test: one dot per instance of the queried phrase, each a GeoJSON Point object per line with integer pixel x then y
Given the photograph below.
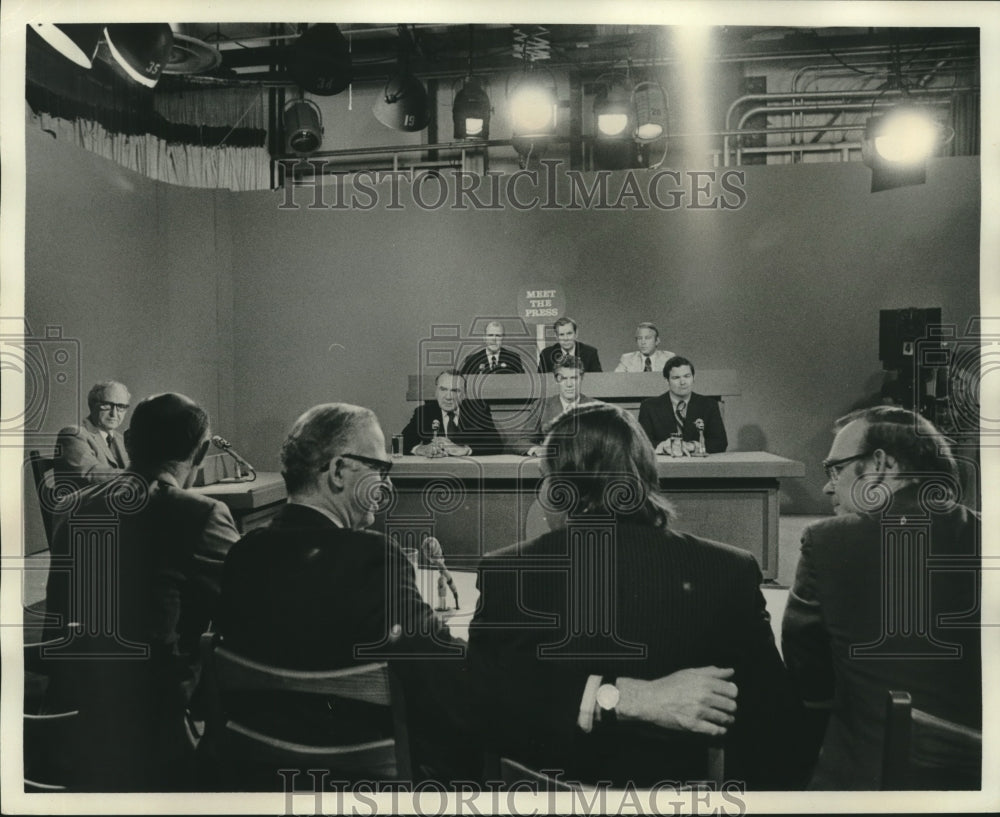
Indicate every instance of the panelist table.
{"type": "Point", "coordinates": [477, 504]}
{"type": "Point", "coordinates": [252, 504]}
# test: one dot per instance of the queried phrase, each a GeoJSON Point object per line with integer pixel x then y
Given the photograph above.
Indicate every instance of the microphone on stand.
{"type": "Point", "coordinates": [222, 443]}
{"type": "Point", "coordinates": [432, 552]}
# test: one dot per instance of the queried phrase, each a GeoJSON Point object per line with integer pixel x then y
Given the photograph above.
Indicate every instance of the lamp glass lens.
{"type": "Point", "coordinates": [649, 131]}
{"type": "Point", "coordinates": [612, 124]}
{"type": "Point", "coordinates": [473, 127]}
{"type": "Point", "coordinates": [906, 138]}
{"type": "Point", "coordinates": [532, 110]}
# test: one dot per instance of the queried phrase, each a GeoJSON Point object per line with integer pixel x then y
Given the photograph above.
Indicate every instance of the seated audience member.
{"type": "Point", "coordinates": [588, 637]}
{"type": "Point", "coordinates": [569, 376]}
{"type": "Point", "coordinates": [315, 590]}
{"type": "Point", "coordinates": [868, 612]}
{"type": "Point", "coordinates": [94, 451]}
{"type": "Point", "coordinates": [452, 425]}
{"type": "Point", "coordinates": [681, 409]}
{"type": "Point", "coordinates": [493, 359]}
{"type": "Point", "coordinates": [566, 346]}
{"type": "Point", "coordinates": [125, 576]}
{"type": "Point", "coordinates": [648, 358]}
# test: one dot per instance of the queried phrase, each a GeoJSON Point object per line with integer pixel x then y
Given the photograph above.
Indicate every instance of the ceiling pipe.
{"type": "Point", "coordinates": [824, 95]}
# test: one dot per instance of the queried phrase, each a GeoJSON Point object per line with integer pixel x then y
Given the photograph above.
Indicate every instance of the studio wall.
{"type": "Point", "coordinates": [259, 311]}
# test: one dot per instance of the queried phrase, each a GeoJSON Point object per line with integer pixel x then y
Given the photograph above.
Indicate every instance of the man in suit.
{"type": "Point", "coordinates": [584, 638]}
{"type": "Point", "coordinates": [135, 566]}
{"type": "Point", "coordinates": [493, 359]}
{"type": "Point", "coordinates": [681, 409]}
{"type": "Point", "coordinates": [315, 590]}
{"type": "Point", "coordinates": [567, 345]}
{"type": "Point", "coordinates": [886, 597]}
{"type": "Point", "coordinates": [94, 451]}
{"type": "Point", "coordinates": [452, 425]}
{"type": "Point", "coordinates": [647, 358]}
{"type": "Point", "coordinates": [569, 377]}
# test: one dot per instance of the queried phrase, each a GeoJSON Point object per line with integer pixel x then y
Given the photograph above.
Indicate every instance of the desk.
{"type": "Point", "coordinates": [251, 503]}
{"type": "Point", "coordinates": [477, 504]}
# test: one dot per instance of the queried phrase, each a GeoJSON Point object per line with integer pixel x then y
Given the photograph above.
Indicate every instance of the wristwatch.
{"type": "Point", "coordinates": [607, 698]}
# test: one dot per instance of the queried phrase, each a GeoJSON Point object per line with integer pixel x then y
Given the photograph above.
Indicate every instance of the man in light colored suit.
{"type": "Point", "coordinates": [569, 376]}
{"type": "Point", "coordinates": [94, 451]}
{"type": "Point", "coordinates": [648, 358]}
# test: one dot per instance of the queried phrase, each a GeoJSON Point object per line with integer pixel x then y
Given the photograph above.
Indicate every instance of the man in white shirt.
{"type": "Point", "coordinates": [648, 358]}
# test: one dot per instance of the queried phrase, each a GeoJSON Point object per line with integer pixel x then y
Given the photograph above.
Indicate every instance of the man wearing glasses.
{"type": "Point", "coordinates": [94, 451]}
{"type": "Point", "coordinates": [569, 377]}
{"type": "Point", "coordinates": [886, 597]}
{"type": "Point", "coordinates": [315, 590]}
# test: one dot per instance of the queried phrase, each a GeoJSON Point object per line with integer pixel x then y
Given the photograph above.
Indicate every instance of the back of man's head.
{"type": "Point", "coordinates": [316, 437]}
{"type": "Point", "coordinates": [912, 439]}
{"type": "Point", "coordinates": [165, 428]}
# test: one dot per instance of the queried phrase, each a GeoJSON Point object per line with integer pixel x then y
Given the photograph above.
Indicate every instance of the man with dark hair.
{"type": "Point", "coordinates": [567, 345]}
{"type": "Point", "coordinates": [681, 409]}
{"type": "Point", "coordinates": [94, 451]}
{"type": "Point", "coordinates": [133, 582]}
{"type": "Point", "coordinates": [452, 425]}
{"type": "Point", "coordinates": [569, 376]}
{"type": "Point", "coordinates": [886, 597]}
{"type": "Point", "coordinates": [315, 590]}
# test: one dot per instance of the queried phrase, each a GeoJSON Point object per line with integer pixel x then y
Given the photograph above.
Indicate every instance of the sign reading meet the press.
{"type": "Point", "coordinates": [541, 304]}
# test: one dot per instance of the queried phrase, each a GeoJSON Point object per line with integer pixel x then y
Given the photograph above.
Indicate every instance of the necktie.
{"type": "Point", "coordinates": [452, 424]}
{"type": "Point", "coordinates": [111, 447]}
{"type": "Point", "coordinates": [681, 412]}
{"type": "Point", "coordinates": [493, 363]}
{"type": "Point", "coordinates": [648, 365]}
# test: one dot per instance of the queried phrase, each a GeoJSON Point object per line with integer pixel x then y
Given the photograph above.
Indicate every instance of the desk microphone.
{"type": "Point", "coordinates": [223, 444]}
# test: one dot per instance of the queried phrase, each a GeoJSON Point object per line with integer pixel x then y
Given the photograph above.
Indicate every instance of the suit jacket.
{"type": "Point", "coordinates": [839, 603]}
{"type": "Point", "coordinates": [634, 361]}
{"type": "Point", "coordinates": [551, 354]}
{"type": "Point", "coordinates": [656, 416]}
{"type": "Point", "coordinates": [661, 601]}
{"type": "Point", "coordinates": [478, 363]}
{"type": "Point", "coordinates": [157, 551]}
{"type": "Point", "coordinates": [476, 428]}
{"type": "Point", "coordinates": [539, 421]}
{"type": "Point", "coordinates": [304, 593]}
{"type": "Point", "coordinates": [84, 455]}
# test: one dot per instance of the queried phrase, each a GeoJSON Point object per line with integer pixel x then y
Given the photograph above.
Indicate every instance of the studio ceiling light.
{"type": "Point", "coordinates": [321, 60]}
{"type": "Point", "coordinates": [303, 127]}
{"type": "Point", "coordinates": [140, 50]}
{"type": "Point", "coordinates": [77, 42]}
{"type": "Point", "coordinates": [613, 113]}
{"type": "Point", "coordinates": [650, 103]}
{"type": "Point", "coordinates": [897, 144]}
{"type": "Point", "coordinates": [533, 107]}
{"type": "Point", "coordinates": [402, 105]}
{"type": "Point", "coordinates": [471, 111]}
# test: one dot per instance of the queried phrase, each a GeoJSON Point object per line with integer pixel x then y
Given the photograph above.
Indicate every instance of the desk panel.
{"type": "Point", "coordinates": [252, 504]}
{"type": "Point", "coordinates": [477, 504]}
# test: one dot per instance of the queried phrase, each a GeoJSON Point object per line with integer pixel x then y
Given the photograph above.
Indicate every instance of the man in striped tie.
{"type": "Point", "coordinates": [94, 451]}
{"type": "Point", "coordinates": [682, 410]}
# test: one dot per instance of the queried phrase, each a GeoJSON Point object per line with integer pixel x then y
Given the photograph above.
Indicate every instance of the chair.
{"type": "Point", "coordinates": [224, 670]}
{"type": "Point", "coordinates": [42, 734]}
{"type": "Point", "coordinates": [908, 731]}
{"type": "Point", "coordinates": [42, 469]}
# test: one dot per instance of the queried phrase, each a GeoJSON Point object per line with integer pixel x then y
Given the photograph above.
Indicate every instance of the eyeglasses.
{"type": "Point", "coordinates": [834, 467]}
{"type": "Point", "coordinates": [122, 407]}
{"type": "Point", "coordinates": [382, 466]}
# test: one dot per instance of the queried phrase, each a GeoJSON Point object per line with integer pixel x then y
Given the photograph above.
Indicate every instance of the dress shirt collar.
{"type": "Point", "coordinates": [339, 523]}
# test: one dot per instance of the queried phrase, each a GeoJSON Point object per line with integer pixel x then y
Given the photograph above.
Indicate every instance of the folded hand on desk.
{"type": "Point", "coordinates": [441, 447]}
{"type": "Point", "coordinates": [701, 700]}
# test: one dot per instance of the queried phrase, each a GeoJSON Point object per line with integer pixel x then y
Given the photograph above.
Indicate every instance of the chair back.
{"type": "Point", "coordinates": [42, 469]}
{"type": "Point", "coordinates": [42, 735]}
{"type": "Point", "coordinates": [909, 730]}
{"type": "Point", "coordinates": [225, 671]}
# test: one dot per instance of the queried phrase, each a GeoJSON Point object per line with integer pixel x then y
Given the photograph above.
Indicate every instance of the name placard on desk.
{"type": "Point", "coordinates": [609, 386]}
